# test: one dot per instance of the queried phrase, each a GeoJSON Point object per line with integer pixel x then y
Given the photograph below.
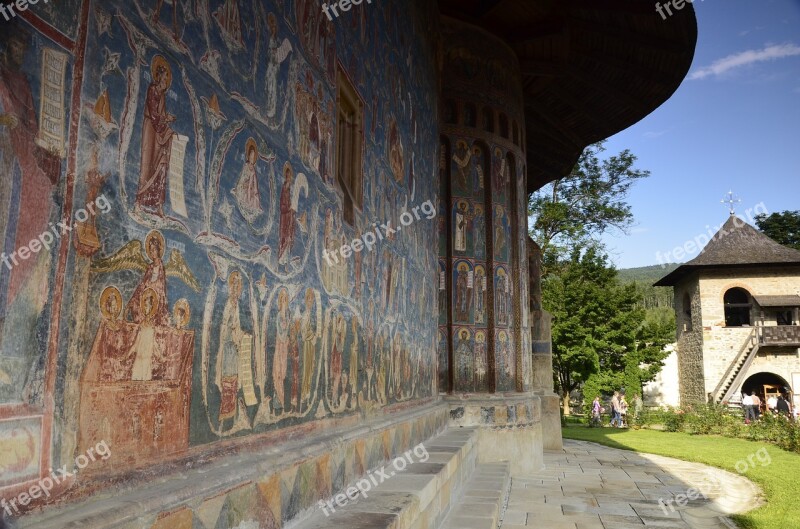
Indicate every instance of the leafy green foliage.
{"type": "Point", "coordinates": [601, 339]}
{"type": "Point", "coordinates": [716, 419]}
{"type": "Point", "coordinates": [783, 228]}
{"type": "Point", "coordinates": [573, 211]}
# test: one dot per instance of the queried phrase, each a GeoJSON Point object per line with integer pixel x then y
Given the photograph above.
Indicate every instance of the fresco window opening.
{"type": "Point", "coordinates": [349, 148]}
{"type": "Point", "coordinates": [488, 119]}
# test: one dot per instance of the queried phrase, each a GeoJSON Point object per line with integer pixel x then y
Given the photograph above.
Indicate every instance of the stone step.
{"type": "Point", "coordinates": [417, 497]}
{"type": "Point", "coordinates": [484, 498]}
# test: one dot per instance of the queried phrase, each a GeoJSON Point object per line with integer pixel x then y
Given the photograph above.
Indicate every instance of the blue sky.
{"type": "Point", "coordinates": [734, 124]}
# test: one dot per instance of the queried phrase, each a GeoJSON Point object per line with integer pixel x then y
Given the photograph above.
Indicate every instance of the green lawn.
{"type": "Point", "coordinates": [779, 479]}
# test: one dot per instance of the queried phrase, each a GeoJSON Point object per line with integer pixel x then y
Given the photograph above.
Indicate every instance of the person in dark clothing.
{"type": "Point", "coordinates": [783, 407]}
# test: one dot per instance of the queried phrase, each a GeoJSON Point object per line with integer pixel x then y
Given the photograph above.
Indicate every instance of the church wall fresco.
{"type": "Point", "coordinates": [199, 308]}
{"type": "Point", "coordinates": [479, 248]}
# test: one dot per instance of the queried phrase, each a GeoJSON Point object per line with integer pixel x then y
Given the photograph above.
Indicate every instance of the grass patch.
{"type": "Point", "coordinates": [779, 479]}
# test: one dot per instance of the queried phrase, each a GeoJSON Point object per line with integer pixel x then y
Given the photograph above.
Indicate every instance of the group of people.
{"type": "Point", "coordinates": [776, 405]}
{"type": "Point", "coordinates": [619, 410]}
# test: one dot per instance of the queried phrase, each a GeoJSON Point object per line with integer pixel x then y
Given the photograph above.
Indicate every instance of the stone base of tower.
{"type": "Point", "coordinates": [509, 428]}
{"type": "Point", "coordinates": [551, 421]}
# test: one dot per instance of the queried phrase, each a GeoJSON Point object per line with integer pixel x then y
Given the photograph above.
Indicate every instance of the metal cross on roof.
{"type": "Point", "coordinates": [730, 201]}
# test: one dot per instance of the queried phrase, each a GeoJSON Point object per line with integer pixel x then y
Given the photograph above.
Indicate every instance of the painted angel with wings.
{"type": "Point", "coordinates": [132, 257]}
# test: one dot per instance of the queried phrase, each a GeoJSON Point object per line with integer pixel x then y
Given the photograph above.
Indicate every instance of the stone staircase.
{"type": "Point", "coordinates": [449, 490]}
{"type": "Point", "coordinates": [419, 472]}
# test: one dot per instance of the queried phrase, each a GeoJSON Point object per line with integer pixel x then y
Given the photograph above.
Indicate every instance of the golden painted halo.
{"type": "Point", "coordinates": [250, 145]}
{"type": "Point", "coordinates": [159, 61]}
{"type": "Point", "coordinates": [235, 282]}
{"type": "Point", "coordinates": [283, 297]}
{"type": "Point", "coordinates": [157, 235]}
{"type": "Point", "coordinates": [109, 293]}
{"type": "Point", "coordinates": [182, 313]}
{"type": "Point", "coordinates": [149, 294]}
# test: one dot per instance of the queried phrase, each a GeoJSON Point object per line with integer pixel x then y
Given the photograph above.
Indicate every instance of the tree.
{"type": "Point", "coordinates": [595, 320]}
{"type": "Point", "coordinates": [575, 210]}
{"type": "Point", "coordinates": [781, 227]}
{"type": "Point", "coordinates": [602, 337]}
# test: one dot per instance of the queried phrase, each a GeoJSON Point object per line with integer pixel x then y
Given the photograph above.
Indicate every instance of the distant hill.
{"type": "Point", "coordinates": [644, 274]}
{"type": "Point", "coordinates": [644, 277]}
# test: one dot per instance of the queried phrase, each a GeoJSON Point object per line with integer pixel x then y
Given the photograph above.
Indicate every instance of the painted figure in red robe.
{"type": "Point", "coordinates": [287, 225]}
{"type": "Point", "coordinates": [154, 278]}
{"type": "Point", "coordinates": [156, 141]}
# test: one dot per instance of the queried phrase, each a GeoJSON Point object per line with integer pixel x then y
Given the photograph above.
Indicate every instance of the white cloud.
{"type": "Point", "coordinates": [654, 134]}
{"type": "Point", "coordinates": [737, 60]}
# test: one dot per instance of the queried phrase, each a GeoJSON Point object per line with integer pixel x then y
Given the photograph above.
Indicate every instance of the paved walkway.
{"type": "Point", "coordinates": [588, 486]}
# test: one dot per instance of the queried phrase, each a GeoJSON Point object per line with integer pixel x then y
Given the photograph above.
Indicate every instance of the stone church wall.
{"type": "Point", "coordinates": [198, 310]}
{"type": "Point", "coordinates": [483, 217]}
{"type": "Point", "coordinates": [690, 344]}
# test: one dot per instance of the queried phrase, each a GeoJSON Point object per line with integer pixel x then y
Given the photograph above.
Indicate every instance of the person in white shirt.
{"type": "Point", "coordinates": [771, 403]}
{"type": "Point", "coordinates": [747, 404]}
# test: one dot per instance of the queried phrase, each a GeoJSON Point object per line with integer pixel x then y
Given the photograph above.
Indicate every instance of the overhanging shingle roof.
{"type": "Point", "coordinates": [735, 244]}
{"type": "Point", "coordinates": [778, 301]}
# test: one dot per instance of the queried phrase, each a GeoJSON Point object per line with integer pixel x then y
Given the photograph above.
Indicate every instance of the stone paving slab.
{"type": "Point", "coordinates": [589, 486]}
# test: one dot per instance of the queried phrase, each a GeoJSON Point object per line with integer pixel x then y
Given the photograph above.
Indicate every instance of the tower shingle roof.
{"type": "Point", "coordinates": [735, 244]}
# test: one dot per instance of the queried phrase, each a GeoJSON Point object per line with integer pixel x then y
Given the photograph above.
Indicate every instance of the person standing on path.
{"type": "Point", "coordinates": [615, 409]}
{"type": "Point", "coordinates": [747, 404]}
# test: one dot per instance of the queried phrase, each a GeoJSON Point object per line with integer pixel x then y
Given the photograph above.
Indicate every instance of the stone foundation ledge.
{"type": "Point", "coordinates": [270, 484]}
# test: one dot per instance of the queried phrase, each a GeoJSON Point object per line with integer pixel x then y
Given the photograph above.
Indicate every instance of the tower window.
{"type": "Point", "coordinates": [349, 146]}
{"type": "Point", "coordinates": [737, 307]}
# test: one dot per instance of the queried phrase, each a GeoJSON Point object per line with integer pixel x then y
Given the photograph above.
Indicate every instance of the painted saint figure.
{"type": "Point", "coordinates": [463, 353]}
{"type": "Point", "coordinates": [463, 293]}
{"type": "Point", "coordinates": [144, 348]}
{"type": "Point", "coordinates": [287, 219]}
{"type": "Point", "coordinates": [338, 328]}
{"type": "Point", "coordinates": [246, 190]}
{"type": "Point", "coordinates": [308, 332]}
{"type": "Point", "coordinates": [154, 278]}
{"type": "Point", "coordinates": [230, 339]}
{"type": "Point", "coordinates": [479, 229]}
{"type": "Point", "coordinates": [460, 239]}
{"type": "Point", "coordinates": [276, 55]}
{"type": "Point", "coordinates": [352, 372]}
{"type": "Point", "coordinates": [284, 322]}
{"type": "Point", "coordinates": [157, 137]}
{"type": "Point", "coordinates": [480, 294]}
